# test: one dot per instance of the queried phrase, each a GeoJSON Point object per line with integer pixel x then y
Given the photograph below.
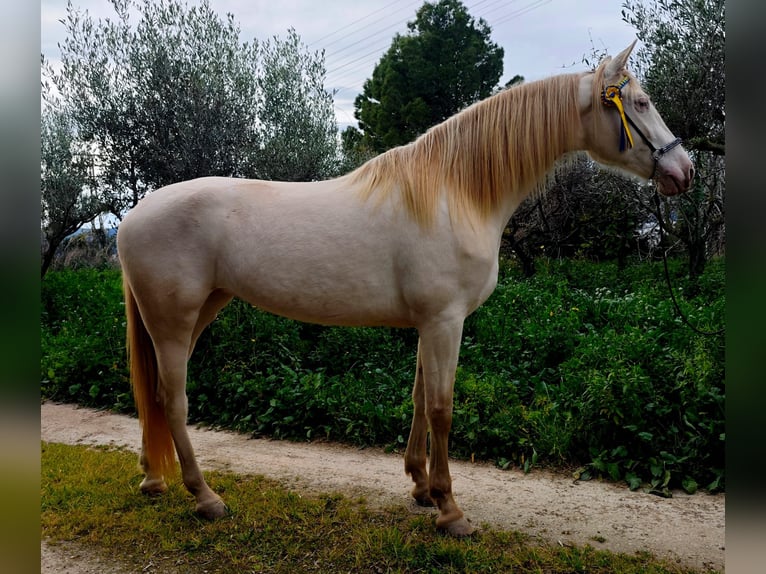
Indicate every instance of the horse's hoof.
{"type": "Point", "coordinates": [459, 528]}
{"type": "Point", "coordinates": [212, 509]}
{"type": "Point", "coordinates": [153, 486]}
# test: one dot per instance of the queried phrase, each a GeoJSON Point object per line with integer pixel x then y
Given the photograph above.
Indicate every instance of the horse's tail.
{"type": "Point", "coordinates": [158, 450]}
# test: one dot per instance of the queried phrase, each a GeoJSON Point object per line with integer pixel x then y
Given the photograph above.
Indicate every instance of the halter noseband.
{"type": "Point", "coordinates": [612, 96]}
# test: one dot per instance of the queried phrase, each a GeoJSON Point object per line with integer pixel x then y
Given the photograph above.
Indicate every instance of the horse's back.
{"type": "Point", "coordinates": [199, 214]}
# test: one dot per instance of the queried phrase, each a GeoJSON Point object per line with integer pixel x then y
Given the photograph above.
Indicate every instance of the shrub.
{"type": "Point", "coordinates": [83, 339]}
{"type": "Point", "coordinates": [581, 365]}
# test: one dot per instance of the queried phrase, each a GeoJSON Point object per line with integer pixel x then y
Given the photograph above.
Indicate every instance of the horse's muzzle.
{"type": "Point", "coordinates": [675, 178]}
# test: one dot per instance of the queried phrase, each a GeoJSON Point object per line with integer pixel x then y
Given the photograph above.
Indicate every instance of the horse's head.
{"type": "Point", "coordinates": [623, 129]}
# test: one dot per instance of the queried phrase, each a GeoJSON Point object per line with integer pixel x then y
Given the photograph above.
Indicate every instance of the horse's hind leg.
{"type": "Point", "coordinates": [216, 301]}
{"type": "Point", "coordinates": [172, 356]}
{"type": "Point", "coordinates": [415, 455]}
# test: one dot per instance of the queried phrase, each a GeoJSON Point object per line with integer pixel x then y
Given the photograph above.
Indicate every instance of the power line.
{"type": "Point", "coordinates": [364, 54]}
{"type": "Point", "coordinates": [350, 24]}
{"type": "Point", "coordinates": [488, 9]}
{"type": "Point", "coordinates": [368, 38]}
{"type": "Point", "coordinates": [362, 57]}
{"type": "Point", "coordinates": [522, 11]}
{"type": "Point", "coordinates": [488, 5]}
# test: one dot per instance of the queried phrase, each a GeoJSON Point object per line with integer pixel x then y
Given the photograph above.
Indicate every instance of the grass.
{"type": "Point", "coordinates": [90, 495]}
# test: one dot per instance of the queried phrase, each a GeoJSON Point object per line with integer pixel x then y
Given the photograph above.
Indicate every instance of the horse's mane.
{"type": "Point", "coordinates": [506, 143]}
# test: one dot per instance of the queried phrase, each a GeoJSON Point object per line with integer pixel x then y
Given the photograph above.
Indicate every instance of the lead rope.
{"type": "Point", "coordinates": [684, 318]}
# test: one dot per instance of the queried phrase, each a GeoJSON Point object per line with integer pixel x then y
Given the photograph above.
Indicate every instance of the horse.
{"type": "Point", "coordinates": [411, 238]}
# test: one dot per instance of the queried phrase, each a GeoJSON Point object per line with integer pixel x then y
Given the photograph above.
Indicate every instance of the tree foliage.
{"type": "Point", "coordinates": [177, 95]}
{"type": "Point", "coordinates": [445, 62]}
{"type": "Point", "coordinates": [682, 67]}
{"type": "Point", "coordinates": [586, 212]}
{"type": "Point", "coordinates": [297, 118]}
{"type": "Point", "coordinates": [603, 215]}
{"type": "Point", "coordinates": [67, 197]}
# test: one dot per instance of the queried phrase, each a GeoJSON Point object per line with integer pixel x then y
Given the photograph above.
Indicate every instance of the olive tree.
{"type": "Point", "coordinates": [681, 64]}
{"type": "Point", "coordinates": [177, 95]}
{"type": "Point", "coordinates": [298, 132]}
{"type": "Point", "coordinates": [68, 198]}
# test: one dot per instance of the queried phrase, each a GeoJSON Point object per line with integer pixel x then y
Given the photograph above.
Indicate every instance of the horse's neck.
{"type": "Point", "coordinates": [496, 224]}
{"type": "Point", "coordinates": [570, 140]}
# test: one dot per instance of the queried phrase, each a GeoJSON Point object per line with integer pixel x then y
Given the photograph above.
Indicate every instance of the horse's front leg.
{"type": "Point", "coordinates": [415, 455]}
{"type": "Point", "coordinates": [439, 349]}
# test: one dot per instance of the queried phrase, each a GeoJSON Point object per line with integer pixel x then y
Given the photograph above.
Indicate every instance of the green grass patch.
{"type": "Point", "coordinates": [90, 495]}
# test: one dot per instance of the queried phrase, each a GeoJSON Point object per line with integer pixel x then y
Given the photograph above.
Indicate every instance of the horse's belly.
{"type": "Point", "coordinates": [337, 294]}
{"type": "Point", "coordinates": [330, 308]}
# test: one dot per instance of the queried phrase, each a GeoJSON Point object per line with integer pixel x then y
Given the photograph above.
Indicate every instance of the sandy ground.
{"type": "Point", "coordinates": [686, 529]}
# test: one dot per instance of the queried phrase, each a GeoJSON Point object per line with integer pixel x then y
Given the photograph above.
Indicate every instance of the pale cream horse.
{"type": "Point", "coordinates": [409, 239]}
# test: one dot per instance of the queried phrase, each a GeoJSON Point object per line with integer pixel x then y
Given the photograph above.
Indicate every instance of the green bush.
{"type": "Point", "coordinates": [257, 372]}
{"type": "Point", "coordinates": [83, 339]}
{"type": "Point", "coordinates": [583, 365]}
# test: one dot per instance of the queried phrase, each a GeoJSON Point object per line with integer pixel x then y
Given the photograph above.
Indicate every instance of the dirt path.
{"type": "Point", "coordinates": [687, 529]}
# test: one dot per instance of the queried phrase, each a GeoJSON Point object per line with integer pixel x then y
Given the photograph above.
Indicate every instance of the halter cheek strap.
{"type": "Point", "coordinates": [612, 97]}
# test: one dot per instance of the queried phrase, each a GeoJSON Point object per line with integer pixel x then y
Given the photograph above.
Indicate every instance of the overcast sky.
{"type": "Point", "coordinates": [540, 37]}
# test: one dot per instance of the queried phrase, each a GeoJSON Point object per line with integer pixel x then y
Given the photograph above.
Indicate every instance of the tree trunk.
{"type": "Point", "coordinates": [527, 261]}
{"type": "Point", "coordinates": [697, 258]}
{"type": "Point", "coordinates": [48, 256]}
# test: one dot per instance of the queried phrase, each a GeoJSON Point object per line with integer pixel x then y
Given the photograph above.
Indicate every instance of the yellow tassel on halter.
{"type": "Point", "coordinates": [612, 95]}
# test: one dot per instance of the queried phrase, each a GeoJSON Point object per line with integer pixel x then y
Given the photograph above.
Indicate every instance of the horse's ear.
{"type": "Point", "coordinates": [616, 65]}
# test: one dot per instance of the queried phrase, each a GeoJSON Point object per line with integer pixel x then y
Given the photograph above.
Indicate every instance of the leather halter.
{"type": "Point", "coordinates": [611, 96]}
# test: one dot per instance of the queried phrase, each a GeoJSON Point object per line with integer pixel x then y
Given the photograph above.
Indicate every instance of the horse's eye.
{"type": "Point", "coordinates": [642, 104]}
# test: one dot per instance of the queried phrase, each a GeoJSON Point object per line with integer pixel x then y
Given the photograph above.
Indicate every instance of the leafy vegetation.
{"type": "Point", "coordinates": [690, 95]}
{"type": "Point", "coordinates": [90, 495]}
{"type": "Point", "coordinates": [65, 173]}
{"type": "Point", "coordinates": [582, 366]}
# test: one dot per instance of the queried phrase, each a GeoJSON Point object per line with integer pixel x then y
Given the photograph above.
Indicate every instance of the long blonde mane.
{"type": "Point", "coordinates": [506, 143]}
